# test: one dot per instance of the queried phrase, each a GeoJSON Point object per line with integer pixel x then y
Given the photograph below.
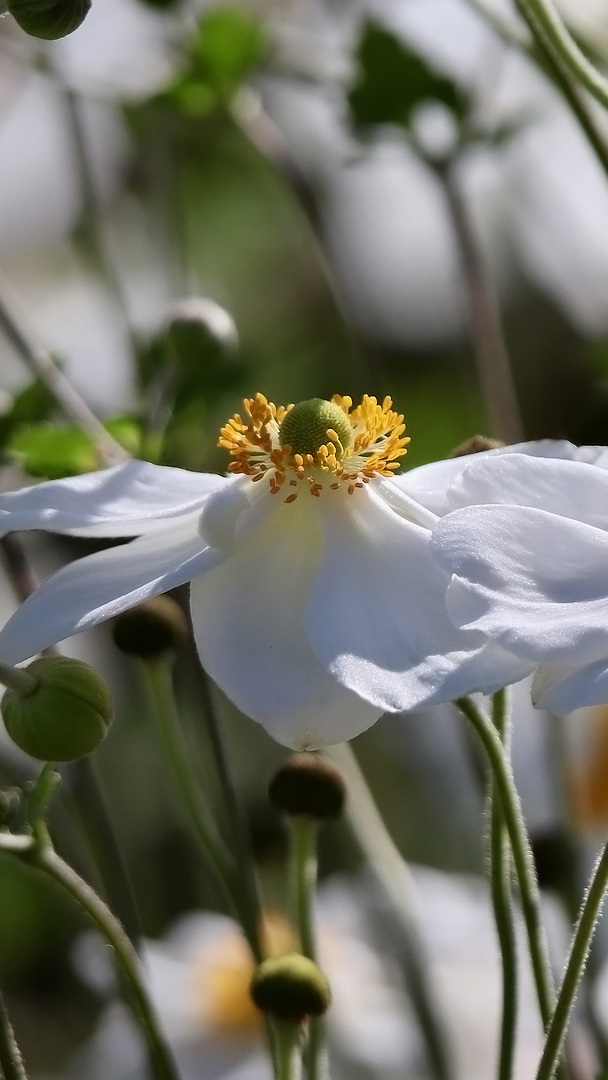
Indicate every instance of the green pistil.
{"type": "Point", "coordinates": [306, 425]}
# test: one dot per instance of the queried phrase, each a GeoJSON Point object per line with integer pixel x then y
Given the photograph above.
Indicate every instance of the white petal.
{"type": "Point", "coordinates": [534, 582]}
{"type": "Point", "coordinates": [561, 688]}
{"type": "Point", "coordinates": [102, 585]}
{"type": "Point", "coordinates": [572, 488]}
{"type": "Point", "coordinates": [126, 500]}
{"type": "Point", "coordinates": [430, 484]}
{"type": "Point", "coordinates": [247, 616]}
{"type": "Point", "coordinates": [376, 615]}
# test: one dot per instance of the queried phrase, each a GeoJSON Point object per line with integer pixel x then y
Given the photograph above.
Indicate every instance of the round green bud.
{"type": "Point", "coordinates": [306, 425]}
{"type": "Point", "coordinates": [290, 988]}
{"type": "Point", "coordinates": [308, 785]}
{"type": "Point", "coordinates": [151, 628]}
{"type": "Point", "coordinates": [49, 19]}
{"type": "Point", "coordinates": [66, 714]}
{"type": "Point", "coordinates": [476, 444]}
{"type": "Point", "coordinates": [199, 328]}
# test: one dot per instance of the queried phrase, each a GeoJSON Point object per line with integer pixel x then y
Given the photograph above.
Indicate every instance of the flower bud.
{"type": "Point", "coordinates": [291, 988]}
{"type": "Point", "coordinates": [49, 19]}
{"type": "Point", "coordinates": [308, 785]}
{"type": "Point", "coordinates": [151, 628]}
{"type": "Point", "coordinates": [475, 445]}
{"type": "Point", "coordinates": [198, 327]}
{"type": "Point", "coordinates": [64, 716]}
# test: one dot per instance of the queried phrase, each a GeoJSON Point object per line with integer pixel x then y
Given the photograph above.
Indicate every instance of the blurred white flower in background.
{"type": "Point", "coordinates": [199, 974]}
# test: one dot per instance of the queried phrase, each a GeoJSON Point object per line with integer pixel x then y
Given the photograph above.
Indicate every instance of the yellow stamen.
{"type": "Point", "coordinates": [372, 445]}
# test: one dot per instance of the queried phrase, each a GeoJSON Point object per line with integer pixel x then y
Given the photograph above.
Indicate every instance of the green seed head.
{"type": "Point", "coordinates": [151, 628]}
{"type": "Point", "coordinates": [308, 785]}
{"type": "Point", "coordinates": [290, 988]}
{"type": "Point", "coordinates": [65, 715]}
{"type": "Point", "coordinates": [306, 425]}
{"type": "Point", "coordinates": [48, 19]}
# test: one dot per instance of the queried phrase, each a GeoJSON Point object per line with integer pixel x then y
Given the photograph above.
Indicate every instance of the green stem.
{"type": "Point", "coordinates": [542, 14]}
{"type": "Point", "coordinates": [304, 833]}
{"type": "Point", "coordinates": [288, 1057]}
{"type": "Point", "coordinates": [386, 863]}
{"type": "Point", "coordinates": [575, 966]}
{"type": "Point", "coordinates": [18, 680]}
{"type": "Point", "coordinates": [500, 886]}
{"type": "Point", "coordinates": [39, 852]}
{"type": "Point", "coordinates": [11, 1062]}
{"type": "Point", "coordinates": [159, 676]}
{"type": "Point", "coordinates": [43, 367]}
{"type": "Point", "coordinates": [522, 855]}
{"type": "Point", "coordinates": [247, 885]}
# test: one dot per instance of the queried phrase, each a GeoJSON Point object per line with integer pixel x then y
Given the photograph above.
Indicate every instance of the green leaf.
{"type": "Point", "coordinates": [393, 80]}
{"type": "Point", "coordinates": [33, 403]}
{"type": "Point", "coordinates": [53, 450]}
{"type": "Point", "coordinates": [228, 44]}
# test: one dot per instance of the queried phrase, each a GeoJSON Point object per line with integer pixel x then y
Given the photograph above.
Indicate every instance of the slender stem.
{"type": "Point", "coordinates": [41, 854]}
{"type": "Point", "coordinates": [86, 791]}
{"type": "Point", "coordinates": [575, 966]}
{"type": "Point", "coordinates": [304, 860]}
{"type": "Point", "coordinates": [522, 854]}
{"type": "Point", "coordinates": [500, 885]}
{"type": "Point", "coordinates": [248, 882]}
{"type": "Point", "coordinates": [18, 680]}
{"type": "Point", "coordinates": [41, 364]}
{"type": "Point", "coordinates": [289, 1057]}
{"type": "Point", "coordinates": [159, 676]}
{"type": "Point", "coordinates": [304, 833]}
{"type": "Point", "coordinates": [487, 339]}
{"type": "Point", "coordinates": [543, 14]}
{"type": "Point", "coordinates": [387, 865]}
{"type": "Point", "coordinates": [11, 1061]}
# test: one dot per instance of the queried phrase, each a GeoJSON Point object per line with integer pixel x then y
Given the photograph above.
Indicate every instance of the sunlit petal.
{"type": "Point", "coordinates": [102, 585]}
{"type": "Point", "coordinates": [247, 616]}
{"type": "Point", "coordinates": [127, 500]}
{"type": "Point", "coordinates": [535, 582]}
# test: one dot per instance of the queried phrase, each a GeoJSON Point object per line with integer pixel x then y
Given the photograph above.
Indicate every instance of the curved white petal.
{"type": "Point", "coordinates": [431, 484]}
{"type": "Point", "coordinates": [376, 614]}
{"type": "Point", "coordinates": [573, 489]}
{"type": "Point", "coordinates": [102, 585]}
{"type": "Point", "coordinates": [248, 625]}
{"type": "Point", "coordinates": [561, 688]}
{"type": "Point", "coordinates": [127, 500]}
{"type": "Point", "coordinates": [535, 582]}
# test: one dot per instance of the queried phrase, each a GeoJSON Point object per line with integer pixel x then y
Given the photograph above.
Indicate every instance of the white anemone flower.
{"type": "Point", "coordinates": [316, 604]}
{"type": "Point", "coordinates": [531, 570]}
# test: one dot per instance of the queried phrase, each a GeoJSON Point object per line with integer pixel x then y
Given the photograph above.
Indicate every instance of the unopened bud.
{"type": "Point", "coordinates": [476, 444]}
{"type": "Point", "coordinates": [151, 628]}
{"type": "Point", "coordinates": [199, 328]}
{"type": "Point", "coordinates": [290, 988]}
{"type": "Point", "coordinates": [308, 785]}
{"type": "Point", "coordinates": [65, 714]}
{"type": "Point", "coordinates": [49, 19]}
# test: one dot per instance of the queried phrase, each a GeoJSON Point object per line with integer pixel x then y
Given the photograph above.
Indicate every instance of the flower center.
{"type": "Point", "coordinates": [315, 444]}
{"type": "Point", "coordinates": [308, 426]}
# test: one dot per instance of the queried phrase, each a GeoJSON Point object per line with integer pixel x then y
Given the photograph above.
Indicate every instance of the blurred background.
{"type": "Point", "coordinates": [387, 197]}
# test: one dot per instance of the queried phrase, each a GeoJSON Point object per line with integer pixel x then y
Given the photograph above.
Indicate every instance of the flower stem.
{"type": "Point", "coordinates": [159, 676]}
{"type": "Point", "coordinates": [389, 869]}
{"type": "Point", "coordinates": [247, 885]}
{"type": "Point", "coordinates": [542, 14]}
{"type": "Point", "coordinates": [487, 338]}
{"type": "Point", "coordinates": [39, 852]}
{"type": "Point", "coordinates": [42, 365]}
{"type": "Point", "coordinates": [18, 680]}
{"type": "Point", "coordinates": [289, 1057]}
{"type": "Point", "coordinates": [304, 833]}
{"type": "Point", "coordinates": [575, 966]}
{"type": "Point", "coordinates": [500, 886]}
{"type": "Point", "coordinates": [11, 1062]}
{"type": "Point", "coordinates": [522, 854]}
